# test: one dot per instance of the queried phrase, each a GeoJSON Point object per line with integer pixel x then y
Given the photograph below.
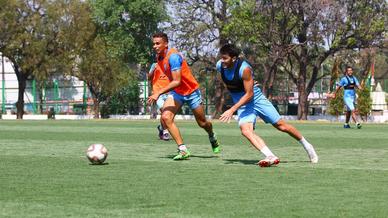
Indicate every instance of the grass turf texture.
{"type": "Point", "coordinates": [44, 172]}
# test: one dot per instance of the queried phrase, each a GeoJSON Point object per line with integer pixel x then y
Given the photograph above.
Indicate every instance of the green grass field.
{"type": "Point", "coordinates": [44, 172]}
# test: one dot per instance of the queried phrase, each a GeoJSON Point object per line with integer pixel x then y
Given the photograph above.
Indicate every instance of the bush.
{"type": "Point", "coordinates": [337, 105]}
{"type": "Point", "coordinates": [364, 102]}
{"type": "Point", "coordinates": [125, 101]}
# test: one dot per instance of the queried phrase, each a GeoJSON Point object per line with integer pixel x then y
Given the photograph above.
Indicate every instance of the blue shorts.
{"type": "Point", "coordinates": [261, 107]}
{"type": "Point", "coordinates": [194, 99]}
{"type": "Point", "coordinates": [162, 98]}
{"type": "Point", "coordinates": [349, 102]}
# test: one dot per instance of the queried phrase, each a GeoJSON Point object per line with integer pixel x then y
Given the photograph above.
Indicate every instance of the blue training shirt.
{"type": "Point", "coordinates": [229, 73]}
{"type": "Point", "coordinates": [175, 62]}
{"type": "Point", "coordinates": [344, 82]}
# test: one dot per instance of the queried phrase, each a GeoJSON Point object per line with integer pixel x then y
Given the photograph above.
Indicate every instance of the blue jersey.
{"type": "Point", "coordinates": [258, 106]}
{"type": "Point", "coordinates": [175, 62]}
{"type": "Point", "coordinates": [346, 81]}
{"type": "Point", "coordinates": [229, 74]}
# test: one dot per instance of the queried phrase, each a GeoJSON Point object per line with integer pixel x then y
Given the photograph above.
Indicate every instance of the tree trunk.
{"type": "Point", "coordinates": [96, 108]}
{"type": "Point", "coordinates": [303, 103]}
{"type": "Point", "coordinates": [22, 78]}
{"type": "Point", "coordinates": [303, 94]}
{"type": "Point", "coordinates": [20, 102]}
{"type": "Point", "coordinates": [219, 99]}
{"type": "Point", "coordinates": [41, 100]}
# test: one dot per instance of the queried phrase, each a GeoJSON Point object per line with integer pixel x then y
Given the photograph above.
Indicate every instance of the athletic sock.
{"type": "Point", "coordinates": [165, 131]}
{"type": "Point", "coordinates": [182, 147]}
{"type": "Point", "coordinates": [265, 150]}
{"type": "Point", "coordinates": [307, 146]}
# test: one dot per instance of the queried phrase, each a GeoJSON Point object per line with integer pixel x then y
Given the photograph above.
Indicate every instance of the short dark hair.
{"type": "Point", "coordinates": [161, 35]}
{"type": "Point", "coordinates": [230, 49]}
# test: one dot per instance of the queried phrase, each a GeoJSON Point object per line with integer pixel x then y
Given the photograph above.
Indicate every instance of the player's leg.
{"type": "Point", "coordinates": [355, 120]}
{"type": "Point", "coordinates": [349, 108]}
{"type": "Point", "coordinates": [202, 122]}
{"type": "Point", "coordinates": [347, 119]}
{"type": "Point", "coordinates": [269, 114]}
{"type": "Point", "coordinates": [170, 108]}
{"type": "Point", "coordinates": [247, 119]}
{"type": "Point", "coordinates": [283, 126]}
{"type": "Point", "coordinates": [195, 103]}
{"type": "Point", "coordinates": [163, 131]}
{"type": "Point", "coordinates": [354, 115]}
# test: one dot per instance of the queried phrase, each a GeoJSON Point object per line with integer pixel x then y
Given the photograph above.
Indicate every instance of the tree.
{"type": "Point", "coordinates": [364, 102]}
{"type": "Point", "coordinates": [103, 73]}
{"type": "Point", "coordinates": [124, 101]}
{"type": "Point", "coordinates": [123, 46]}
{"type": "Point", "coordinates": [127, 26]}
{"type": "Point", "coordinates": [197, 29]}
{"type": "Point", "coordinates": [336, 105]}
{"type": "Point", "coordinates": [39, 38]}
{"type": "Point", "coordinates": [305, 33]}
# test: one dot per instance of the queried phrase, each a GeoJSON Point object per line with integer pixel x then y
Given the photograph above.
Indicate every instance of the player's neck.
{"type": "Point", "coordinates": [164, 53]}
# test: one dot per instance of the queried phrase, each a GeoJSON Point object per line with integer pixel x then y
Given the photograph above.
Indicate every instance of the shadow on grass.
{"type": "Point", "coordinates": [97, 164]}
{"type": "Point", "coordinates": [241, 161]}
{"type": "Point", "coordinates": [294, 161]}
{"type": "Point", "coordinates": [254, 162]}
{"type": "Point", "coordinates": [191, 156]}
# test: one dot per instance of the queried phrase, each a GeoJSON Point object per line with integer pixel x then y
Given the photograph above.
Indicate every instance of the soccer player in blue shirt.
{"type": "Point", "coordinates": [349, 83]}
{"type": "Point", "coordinates": [249, 102]}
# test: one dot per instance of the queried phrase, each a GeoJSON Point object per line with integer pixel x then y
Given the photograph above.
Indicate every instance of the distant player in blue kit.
{"type": "Point", "coordinates": [249, 102]}
{"type": "Point", "coordinates": [349, 83]}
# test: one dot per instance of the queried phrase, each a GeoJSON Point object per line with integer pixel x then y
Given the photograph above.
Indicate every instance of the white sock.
{"type": "Point", "coordinates": [265, 150]}
{"type": "Point", "coordinates": [182, 147]}
{"type": "Point", "coordinates": [165, 131]}
{"type": "Point", "coordinates": [307, 146]}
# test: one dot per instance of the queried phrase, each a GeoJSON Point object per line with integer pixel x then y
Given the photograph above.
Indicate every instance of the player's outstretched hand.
{"type": "Point", "coordinates": [330, 95]}
{"type": "Point", "coordinates": [255, 83]}
{"type": "Point", "coordinates": [226, 116]}
{"type": "Point", "coordinates": [152, 99]}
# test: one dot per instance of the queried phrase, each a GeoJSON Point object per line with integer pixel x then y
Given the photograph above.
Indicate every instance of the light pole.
{"type": "Point", "coordinates": [206, 92]}
{"type": "Point", "coordinates": [2, 85]}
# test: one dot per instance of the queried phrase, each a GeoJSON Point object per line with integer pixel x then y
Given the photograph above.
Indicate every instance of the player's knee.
{"type": "Point", "coordinates": [246, 132]}
{"type": "Point", "coordinates": [203, 123]}
{"type": "Point", "coordinates": [166, 118]}
{"type": "Point", "coordinates": [282, 127]}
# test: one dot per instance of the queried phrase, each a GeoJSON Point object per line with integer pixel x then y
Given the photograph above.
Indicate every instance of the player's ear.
{"type": "Point", "coordinates": [234, 59]}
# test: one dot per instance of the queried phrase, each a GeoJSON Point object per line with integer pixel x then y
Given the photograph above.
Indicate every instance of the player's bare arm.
{"type": "Point", "coordinates": [175, 82]}
{"type": "Point", "coordinates": [332, 95]}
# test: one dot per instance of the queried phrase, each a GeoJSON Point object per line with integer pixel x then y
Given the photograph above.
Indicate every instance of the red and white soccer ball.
{"type": "Point", "coordinates": [97, 153]}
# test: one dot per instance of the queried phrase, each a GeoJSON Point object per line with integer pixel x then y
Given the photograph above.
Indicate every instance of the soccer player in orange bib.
{"type": "Point", "coordinates": [183, 88]}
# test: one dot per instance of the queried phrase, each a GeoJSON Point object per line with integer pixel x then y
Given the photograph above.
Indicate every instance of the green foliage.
{"type": "Point", "coordinates": [122, 102]}
{"type": "Point", "coordinates": [296, 37]}
{"type": "Point", "coordinates": [42, 38]}
{"type": "Point", "coordinates": [336, 105]}
{"type": "Point", "coordinates": [127, 26]}
{"type": "Point", "coordinates": [103, 73]}
{"type": "Point", "coordinates": [364, 102]}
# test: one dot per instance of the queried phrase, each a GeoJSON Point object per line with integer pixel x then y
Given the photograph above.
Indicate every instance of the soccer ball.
{"type": "Point", "coordinates": [97, 153]}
